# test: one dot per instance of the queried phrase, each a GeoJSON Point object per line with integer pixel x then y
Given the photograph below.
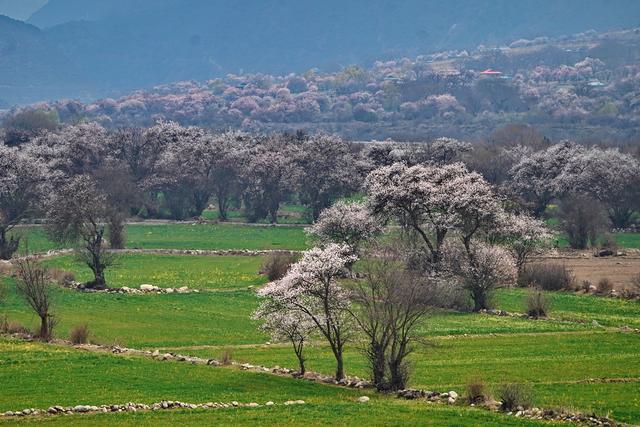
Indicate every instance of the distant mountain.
{"type": "Point", "coordinates": [58, 12]}
{"type": "Point", "coordinates": [107, 47]}
{"type": "Point", "coordinates": [20, 9]}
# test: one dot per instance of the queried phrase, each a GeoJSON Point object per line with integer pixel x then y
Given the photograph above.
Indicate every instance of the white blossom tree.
{"type": "Point", "coordinates": [482, 268]}
{"type": "Point", "coordinates": [534, 177]}
{"type": "Point", "coordinates": [77, 213]}
{"type": "Point", "coordinates": [327, 171]}
{"type": "Point", "coordinates": [311, 288]}
{"type": "Point", "coordinates": [346, 223]}
{"type": "Point", "coordinates": [269, 173]}
{"type": "Point", "coordinates": [22, 187]}
{"type": "Point", "coordinates": [286, 326]}
{"type": "Point", "coordinates": [523, 234]}
{"type": "Point", "coordinates": [433, 200]}
{"type": "Point", "coordinates": [609, 176]}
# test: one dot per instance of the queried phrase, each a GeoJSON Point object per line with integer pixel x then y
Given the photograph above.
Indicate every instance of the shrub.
{"type": "Point", "coordinates": [548, 276]}
{"type": "Point", "coordinates": [609, 242]}
{"type": "Point", "coordinates": [11, 327]}
{"type": "Point", "coordinates": [226, 358]}
{"type": "Point", "coordinates": [6, 269]}
{"type": "Point", "coordinates": [61, 277]}
{"type": "Point", "coordinates": [79, 334]}
{"type": "Point", "coordinates": [604, 286]}
{"type": "Point", "coordinates": [276, 265]}
{"type": "Point", "coordinates": [476, 391]}
{"type": "Point", "coordinates": [633, 291]}
{"type": "Point", "coordinates": [586, 286]}
{"type": "Point", "coordinates": [514, 396]}
{"type": "Point", "coordinates": [537, 303]}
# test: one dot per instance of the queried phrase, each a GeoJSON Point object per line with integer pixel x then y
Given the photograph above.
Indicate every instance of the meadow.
{"type": "Point", "coordinates": [188, 236]}
{"type": "Point", "coordinates": [569, 360]}
{"type": "Point", "coordinates": [172, 271]}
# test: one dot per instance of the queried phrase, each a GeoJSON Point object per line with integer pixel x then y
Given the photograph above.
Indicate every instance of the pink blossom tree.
{"type": "Point", "coordinates": [311, 288]}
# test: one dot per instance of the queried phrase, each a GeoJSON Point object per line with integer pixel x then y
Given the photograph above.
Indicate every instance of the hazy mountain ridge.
{"type": "Point", "coordinates": [122, 45]}
{"type": "Point", "coordinates": [582, 87]}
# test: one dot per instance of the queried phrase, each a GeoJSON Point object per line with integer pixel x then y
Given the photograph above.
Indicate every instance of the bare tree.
{"type": "Point", "coordinates": [77, 213]}
{"type": "Point", "coordinates": [389, 305]}
{"type": "Point", "coordinates": [34, 285]}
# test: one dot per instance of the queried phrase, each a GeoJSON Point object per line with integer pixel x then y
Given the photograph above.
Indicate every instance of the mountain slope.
{"type": "Point", "coordinates": [20, 9]}
{"type": "Point", "coordinates": [119, 45]}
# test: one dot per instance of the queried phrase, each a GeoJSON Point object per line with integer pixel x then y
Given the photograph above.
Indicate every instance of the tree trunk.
{"type": "Point", "coordinates": [200, 201]}
{"type": "Point", "coordinates": [116, 231]}
{"type": "Point", "coordinates": [7, 247]}
{"type": "Point", "coordinates": [378, 369]}
{"type": "Point", "coordinates": [97, 266]}
{"type": "Point", "coordinates": [479, 300]}
{"type": "Point", "coordinates": [223, 202]}
{"type": "Point", "coordinates": [45, 333]}
{"type": "Point", "coordinates": [339, 367]}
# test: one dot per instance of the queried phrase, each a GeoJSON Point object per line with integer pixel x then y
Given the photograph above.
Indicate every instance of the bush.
{"type": "Point", "coordinates": [548, 276]}
{"type": "Point", "coordinates": [609, 242]}
{"type": "Point", "coordinates": [514, 396]}
{"type": "Point", "coordinates": [604, 286]}
{"type": "Point", "coordinates": [79, 334]}
{"type": "Point", "coordinates": [537, 303]}
{"type": "Point", "coordinates": [6, 269]}
{"type": "Point", "coordinates": [11, 327]}
{"type": "Point", "coordinates": [633, 291]}
{"type": "Point", "coordinates": [477, 391]}
{"type": "Point", "coordinates": [276, 265]}
{"type": "Point", "coordinates": [61, 277]}
{"type": "Point", "coordinates": [586, 286]}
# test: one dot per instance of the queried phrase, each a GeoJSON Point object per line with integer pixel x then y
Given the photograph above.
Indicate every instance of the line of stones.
{"type": "Point", "coordinates": [135, 407]}
{"type": "Point", "coordinates": [591, 420]}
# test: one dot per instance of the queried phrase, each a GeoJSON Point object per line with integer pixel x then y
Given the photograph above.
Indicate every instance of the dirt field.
{"type": "Point", "coordinates": [585, 266]}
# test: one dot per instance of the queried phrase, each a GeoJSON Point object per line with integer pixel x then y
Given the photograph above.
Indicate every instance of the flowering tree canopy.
{"type": "Point", "coordinates": [22, 188]}
{"type": "Point", "coordinates": [311, 288]}
{"type": "Point", "coordinates": [482, 268]}
{"type": "Point", "coordinates": [432, 200]}
{"type": "Point", "coordinates": [534, 177]}
{"type": "Point", "coordinates": [346, 223]}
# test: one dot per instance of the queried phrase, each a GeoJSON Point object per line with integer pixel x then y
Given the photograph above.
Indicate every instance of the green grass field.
{"type": "Point", "coordinates": [172, 271]}
{"type": "Point", "coordinates": [569, 361]}
{"type": "Point", "coordinates": [78, 377]}
{"type": "Point", "coordinates": [189, 236]}
{"type": "Point", "coordinates": [224, 236]}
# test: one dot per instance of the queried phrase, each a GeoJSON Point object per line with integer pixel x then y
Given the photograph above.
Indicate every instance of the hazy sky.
{"type": "Point", "coordinates": [20, 9]}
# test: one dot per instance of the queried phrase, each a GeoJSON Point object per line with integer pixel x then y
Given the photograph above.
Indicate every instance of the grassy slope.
{"type": "Point", "coordinates": [196, 272]}
{"type": "Point", "coordinates": [150, 320]}
{"type": "Point", "coordinates": [68, 377]}
{"type": "Point", "coordinates": [190, 236]}
{"type": "Point", "coordinates": [216, 318]}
